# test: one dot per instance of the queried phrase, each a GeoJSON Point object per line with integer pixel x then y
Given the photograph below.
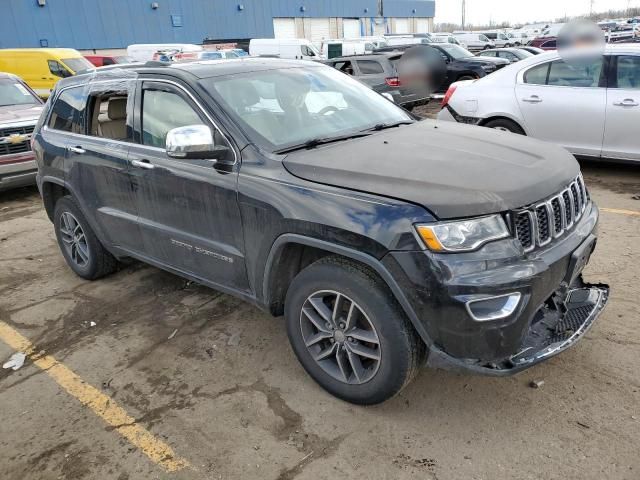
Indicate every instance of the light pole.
{"type": "Point", "coordinates": [464, 12]}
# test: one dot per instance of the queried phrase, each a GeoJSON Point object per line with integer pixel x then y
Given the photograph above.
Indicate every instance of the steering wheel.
{"type": "Point", "coordinates": [328, 109]}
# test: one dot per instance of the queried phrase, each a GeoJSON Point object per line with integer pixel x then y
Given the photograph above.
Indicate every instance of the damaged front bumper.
{"type": "Point", "coordinates": [562, 320]}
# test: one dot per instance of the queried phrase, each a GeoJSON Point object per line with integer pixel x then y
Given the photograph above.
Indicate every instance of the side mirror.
{"type": "Point", "coordinates": [192, 141]}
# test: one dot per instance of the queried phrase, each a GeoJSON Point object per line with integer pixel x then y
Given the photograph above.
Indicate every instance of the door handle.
{"type": "Point", "coordinates": [627, 102]}
{"type": "Point", "coordinates": [143, 164]}
{"type": "Point", "coordinates": [77, 149]}
{"type": "Point", "coordinates": [532, 99]}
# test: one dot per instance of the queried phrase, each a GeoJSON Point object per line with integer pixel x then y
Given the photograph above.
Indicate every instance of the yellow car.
{"type": "Point", "coordinates": [41, 68]}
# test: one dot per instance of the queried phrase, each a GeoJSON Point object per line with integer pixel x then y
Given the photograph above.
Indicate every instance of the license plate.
{"type": "Point", "coordinates": [579, 259]}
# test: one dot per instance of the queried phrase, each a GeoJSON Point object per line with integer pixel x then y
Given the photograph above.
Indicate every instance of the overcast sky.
{"type": "Point", "coordinates": [521, 11]}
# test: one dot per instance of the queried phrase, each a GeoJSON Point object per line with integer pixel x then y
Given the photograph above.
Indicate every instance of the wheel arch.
{"type": "Point", "coordinates": [503, 116]}
{"type": "Point", "coordinates": [53, 189]}
{"type": "Point", "coordinates": [278, 274]}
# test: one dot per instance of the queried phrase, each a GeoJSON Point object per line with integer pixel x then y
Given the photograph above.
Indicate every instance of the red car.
{"type": "Point", "coordinates": [545, 43]}
{"type": "Point", "coordinates": [103, 60]}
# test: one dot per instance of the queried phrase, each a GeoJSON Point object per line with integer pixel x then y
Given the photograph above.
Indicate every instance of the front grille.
{"type": "Point", "coordinates": [537, 225]}
{"type": "Point", "coordinates": [13, 148]}
{"type": "Point", "coordinates": [24, 130]}
{"type": "Point", "coordinates": [7, 147]}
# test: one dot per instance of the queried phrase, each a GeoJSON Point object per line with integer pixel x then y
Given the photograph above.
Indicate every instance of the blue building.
{"type": "Point", "coordinates": [111, 24]}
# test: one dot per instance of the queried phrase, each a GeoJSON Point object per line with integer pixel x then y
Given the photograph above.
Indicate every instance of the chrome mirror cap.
{"type": "Point", "coordinates": [192, 141]}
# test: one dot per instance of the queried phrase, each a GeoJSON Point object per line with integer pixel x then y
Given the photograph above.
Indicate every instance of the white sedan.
{"type": "Point", "coordinates": [589, 104]}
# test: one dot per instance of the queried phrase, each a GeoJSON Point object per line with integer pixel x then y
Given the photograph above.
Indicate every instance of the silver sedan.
{"type": "Point", "coordinates": [589, 103]}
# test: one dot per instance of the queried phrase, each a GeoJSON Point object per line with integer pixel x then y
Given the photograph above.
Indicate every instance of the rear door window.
{"type": "Point", "coordinates": [67, 113]}
{"type": "Point", "coordinates": [344, 67]}
{"type": "Point", "coordinates": [577, 73]}
{"type": "Point", "coordinates": [628, 72]}
{"type": "Point", "coordinates": [370, 67]}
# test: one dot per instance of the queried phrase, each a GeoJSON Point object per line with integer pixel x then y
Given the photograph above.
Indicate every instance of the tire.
{"type": "Point", "coordinates": [79, 245]}
{"type": "Point", "coordinates": [508, 45]}
{"type": "Point", "coordinates": [487, 47]}
{"type": "Point", "coordinates": [505, 125]}
{"type": "Point", "coordinates": [465, 77]}
{"type": "Point", "coordinates": [399, 350]}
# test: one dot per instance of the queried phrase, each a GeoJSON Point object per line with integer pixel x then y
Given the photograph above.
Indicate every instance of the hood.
{"type": "Point", "coordinates": [452, 170]}
{"type": "Point", "coordinates": [20, 113]}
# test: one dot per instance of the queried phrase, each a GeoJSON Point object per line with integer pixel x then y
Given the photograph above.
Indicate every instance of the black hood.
{"type": "Point", "coordinates": [452, 170]}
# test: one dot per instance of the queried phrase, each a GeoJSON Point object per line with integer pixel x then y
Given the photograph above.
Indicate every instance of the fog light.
{"type": "Point", "coordinates": [493, 308]}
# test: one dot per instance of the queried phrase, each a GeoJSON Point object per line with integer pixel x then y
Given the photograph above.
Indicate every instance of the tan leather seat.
{"type": "Point", "coordinates": [115, 125]}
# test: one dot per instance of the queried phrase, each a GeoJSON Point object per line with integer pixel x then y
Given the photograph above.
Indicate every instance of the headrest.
{"type": "Point", "coordinates": [117, 109]}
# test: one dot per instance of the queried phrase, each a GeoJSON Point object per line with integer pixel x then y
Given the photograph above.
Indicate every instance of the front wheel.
{"type": "Point", "coordinates": [349, 333]}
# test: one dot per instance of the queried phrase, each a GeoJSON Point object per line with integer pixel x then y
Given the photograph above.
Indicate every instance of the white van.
{"type": "Point", "coordinates": [475, 42]}
{"type": "Point", "coordinates": [444, 37]}
{"type": "Point", "coordinates": [395, 40]}
{"type": "Point", "coordinates": [342, 47]}
{"type": "Point", "coordinates": [294, 48]}
{"type": "Point", "coordinates": [499, 38]}
{"type": "Point", "coordinates": [143, 52]}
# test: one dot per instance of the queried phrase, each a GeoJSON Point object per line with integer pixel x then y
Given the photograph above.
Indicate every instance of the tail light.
{"type": "Point", "coordinates": [392, 81]}
{"type": "Point", "coordinates": [448, 95]}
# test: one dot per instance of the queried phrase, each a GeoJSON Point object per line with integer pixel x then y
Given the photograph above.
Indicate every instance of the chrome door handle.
{"type": "Point", "coordinates": [627, 102]}
{"type": "Point", "coordinates": [78, 150]}
{"type": "Point", "coordinates": [142, 164]}
{"type": "Point", "coordinates": [532, 99]}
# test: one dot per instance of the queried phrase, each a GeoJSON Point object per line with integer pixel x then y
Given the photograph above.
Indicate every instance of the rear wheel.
{"type": "Point", "coordinates": [505, 125]}
{"type": "Point", "coordinates": [349, 333]}
{"type": "Point", "coordinates": [79, 245]}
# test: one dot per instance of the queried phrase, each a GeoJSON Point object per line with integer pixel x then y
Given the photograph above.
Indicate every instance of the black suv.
{"type": "Point", "coordinates": [386, 242]}
{"type": "Point", "coordinates": [461, 64]}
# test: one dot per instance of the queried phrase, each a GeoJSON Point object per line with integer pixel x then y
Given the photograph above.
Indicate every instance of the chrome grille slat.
{"type": "Point", "coordinates": [537, 225]}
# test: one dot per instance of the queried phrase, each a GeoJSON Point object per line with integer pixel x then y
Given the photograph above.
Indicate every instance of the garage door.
{"type": "Point", "coordinates": [284, 28]}
{"type": "Point", "coordinates": [422, 25]}
{"type": "Point", "coordinates": [402, 25]}
{"type": "Point", "coordinates": [351, 28]}
{"type": "Point", "coordinates": [316, 29]}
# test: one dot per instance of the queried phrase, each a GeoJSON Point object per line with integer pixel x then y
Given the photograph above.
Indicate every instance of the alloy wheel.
{"type": "Point", "coordinates": [502, 129]}
{"type": "Point", "coordinates": [74, 239]}
{"type": "Point", "coordinates": [340, 337]}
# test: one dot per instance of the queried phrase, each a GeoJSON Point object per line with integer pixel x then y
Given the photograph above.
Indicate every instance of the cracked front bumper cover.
{"type": "Point", "coordinates": [563, 320]}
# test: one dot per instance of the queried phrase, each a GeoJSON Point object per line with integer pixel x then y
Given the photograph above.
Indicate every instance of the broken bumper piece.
{"type": "Point", "coordinates": [563, 320]}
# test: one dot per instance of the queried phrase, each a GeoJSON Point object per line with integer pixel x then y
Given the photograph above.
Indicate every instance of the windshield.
{"type": "Point", "coordinates": [286, 107]}
{"type": "Point", "coordinates": [13, 92]}
{"type": "Point", "coordinates": [78, 64]}
{"type": "Point", "coordinates": [455, 51]}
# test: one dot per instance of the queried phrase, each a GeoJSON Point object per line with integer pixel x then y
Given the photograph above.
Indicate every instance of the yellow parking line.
{"type": "Point", "coordinates": [633, 213]}
{"type": "Point", "coordinates": [103, 406]}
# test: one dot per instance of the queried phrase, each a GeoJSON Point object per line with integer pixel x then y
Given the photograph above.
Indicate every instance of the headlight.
{"type": "Point", "coordinates": [464, 235]}
{"type": "Point", "coordinates": [488, 68]}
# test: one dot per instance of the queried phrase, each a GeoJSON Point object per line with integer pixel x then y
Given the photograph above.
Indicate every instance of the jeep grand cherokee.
{"type": "Point", "coordinates": [386, 242]}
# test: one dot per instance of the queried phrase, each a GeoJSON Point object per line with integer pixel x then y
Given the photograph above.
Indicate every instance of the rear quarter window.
{"type": "Point", "coordinates": [67, 111]}
{"type": "Point", "coordinates": [537, 75]}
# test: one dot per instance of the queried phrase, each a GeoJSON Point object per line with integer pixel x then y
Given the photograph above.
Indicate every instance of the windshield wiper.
{"type": "Point", "coordinates": [383, 126]}
{"type": "Point", "coordinates": [316, 142]}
